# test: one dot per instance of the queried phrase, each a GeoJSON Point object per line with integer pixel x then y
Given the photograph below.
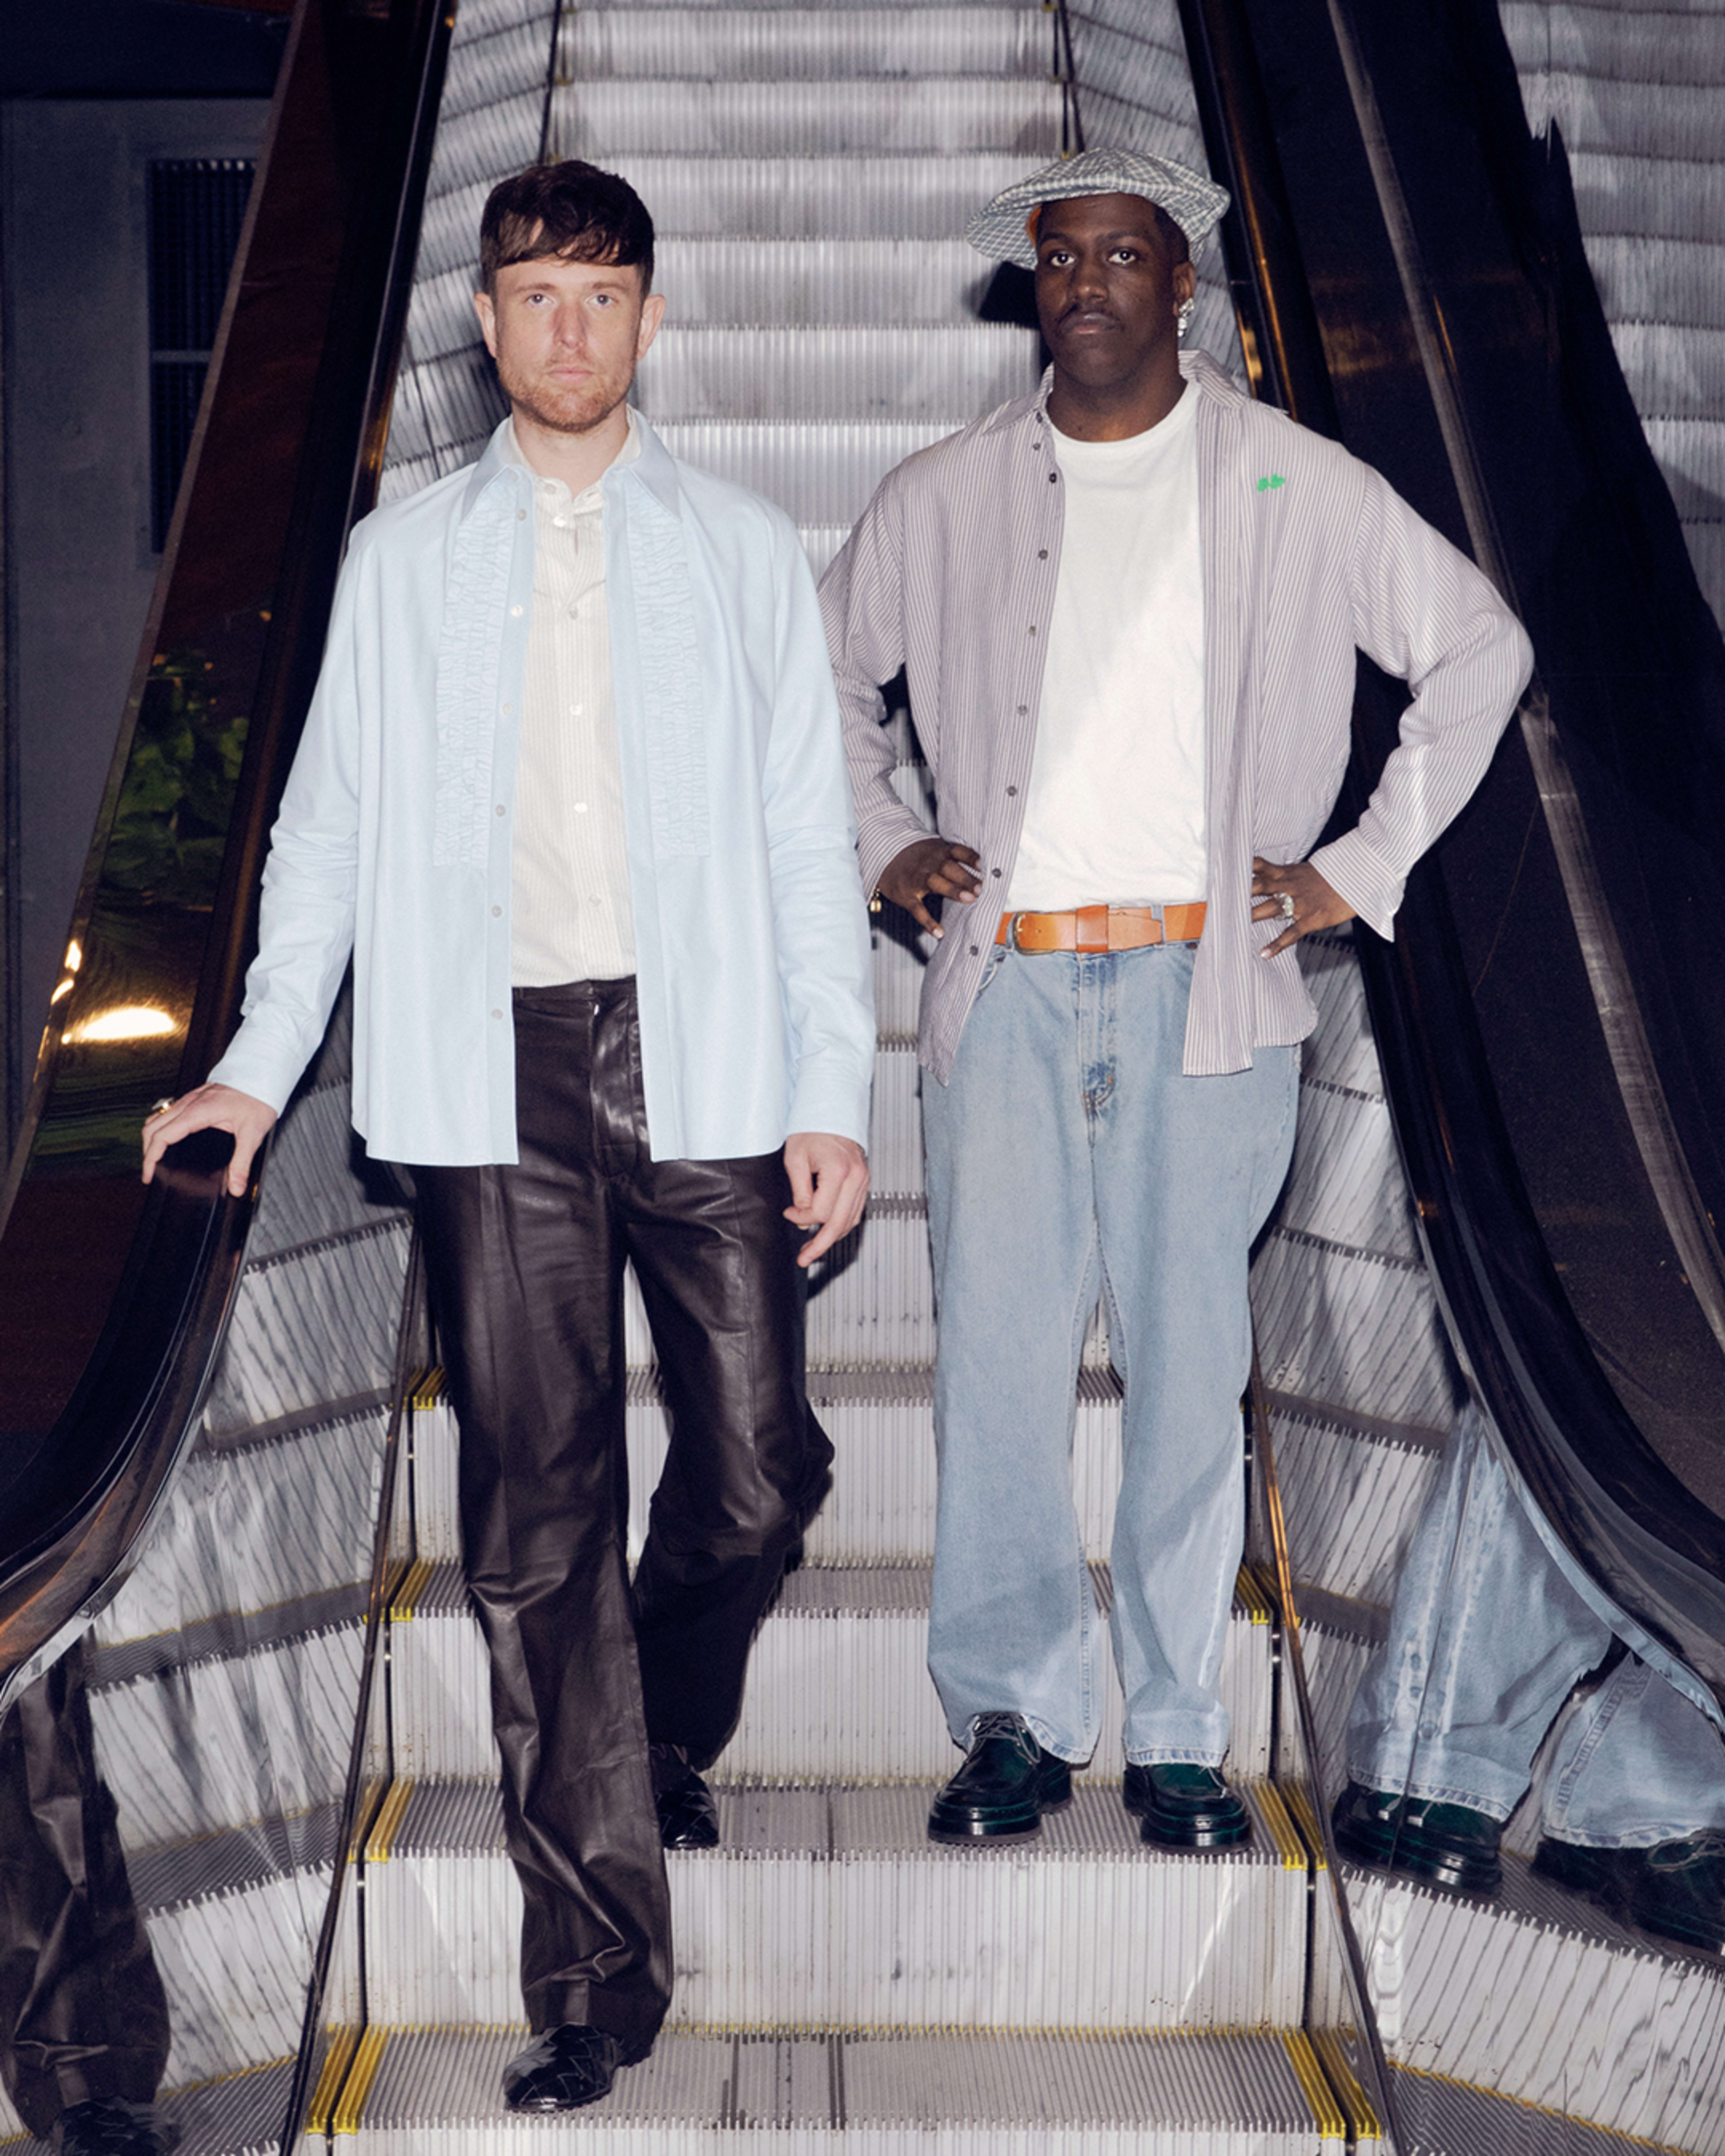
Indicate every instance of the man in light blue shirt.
{"type": "Point", "coordinates": [571, 796]}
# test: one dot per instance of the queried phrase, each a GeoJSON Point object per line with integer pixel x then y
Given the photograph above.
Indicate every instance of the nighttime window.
{"type": "Point", "coordinates": [197, 206]}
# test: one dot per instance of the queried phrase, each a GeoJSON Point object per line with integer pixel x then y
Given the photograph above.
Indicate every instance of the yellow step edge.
{"type": "Point", "coordinates": [370, 1792]}
{"type": "Point", "coordinates": [413, 1583]}
{"type": "Point", "coordinates": [427, 1391]}
{"type": "Point", "coordinates": [1355, 2101]}
{"type": "Point", "coordinates": [1282, 1831]}
{"type": "Point", "coordinates": [343, 2044]}
{"type": "Point", "coordinates": [1298, 1799]}
{"type": "Point", "coordinates": [358, 2087]}
{"type": "Point", "coordinates": [1248, 1593]}
{"type": "Point", "coordinates": [1325, 2109]}
{"type": "Point", "coordinates": [379, 1843]}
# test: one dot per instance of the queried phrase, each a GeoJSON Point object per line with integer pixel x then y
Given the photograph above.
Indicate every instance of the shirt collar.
{"type": "Point", "coordinates": [1197, 367]}
{"type": "Point", "coordinates": [643, 458]}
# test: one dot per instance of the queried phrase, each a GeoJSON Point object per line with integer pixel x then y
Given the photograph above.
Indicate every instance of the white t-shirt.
{"type": "Point", "coordinates": [1114, 813]}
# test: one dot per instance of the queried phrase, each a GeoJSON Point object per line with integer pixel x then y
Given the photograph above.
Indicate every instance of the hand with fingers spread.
{"type": "Point", "coordinates": [1294, 892]}
{"type": "Point", "coordinates": [931, 867]}
{"type": "Point", "coordinates": [829, 1186]}
{"type": "Point", "coordinates": [211, 1108]}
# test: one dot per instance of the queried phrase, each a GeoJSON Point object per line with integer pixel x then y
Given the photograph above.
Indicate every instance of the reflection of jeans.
{"type": "Point", "coordinates": [1069, 1153]}
{"type": "Point", "coordinates": [1485, 1641]}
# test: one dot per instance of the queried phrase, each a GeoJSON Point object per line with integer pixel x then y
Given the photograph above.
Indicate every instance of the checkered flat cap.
{"type": "Point", "coordinates": [1193, 202]}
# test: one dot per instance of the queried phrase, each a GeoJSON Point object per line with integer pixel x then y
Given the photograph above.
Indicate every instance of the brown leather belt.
{"type": "Point", "coordinates": [1101, 928]}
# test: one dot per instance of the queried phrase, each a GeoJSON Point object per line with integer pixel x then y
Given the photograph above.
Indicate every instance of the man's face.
{"type": "Point", "coordinates": [566, 337]}
{"type": "Point", "coordinates": [1108, 290]}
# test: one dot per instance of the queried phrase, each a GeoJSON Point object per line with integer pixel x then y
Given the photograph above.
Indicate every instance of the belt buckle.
{"type": "Point", "coordinates": [1013, 920]}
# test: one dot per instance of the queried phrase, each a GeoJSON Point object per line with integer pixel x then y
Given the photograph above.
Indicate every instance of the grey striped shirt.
{"type": "Point", "coordinates": [1307, 554]}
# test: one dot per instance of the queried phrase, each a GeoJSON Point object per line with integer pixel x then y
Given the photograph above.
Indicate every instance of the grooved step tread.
{"type": "Point", "coordinates": [441, 2087]}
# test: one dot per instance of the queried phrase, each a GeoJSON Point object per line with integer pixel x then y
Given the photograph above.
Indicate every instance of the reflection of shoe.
{"type": "Point", "coordinates": [1444, 1844]}
{"type": "Point", "coordinates": [1005, 1785]}
{"type": "Point", "coordinates": [1183, 1806]}
{"type": "Point", "coordinates": [1679, 1891]}
{"type": "Point", "coordinates": [567, 2067]}
{"type": "Point", "coordinates": [688, 1817]}
{"type": "Point", "coordinates": [1676, 1888]}
{"type": "Point", "coordinates": [1604, 1876]}
{"type": "Point", "coordinates": [110, 2127]}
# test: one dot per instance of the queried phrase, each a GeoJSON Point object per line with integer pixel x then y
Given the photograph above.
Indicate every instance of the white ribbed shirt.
{"type": "Point", "coordinates": [569, 900]}
{"type": "Point", "coordinates": [1114, 811]}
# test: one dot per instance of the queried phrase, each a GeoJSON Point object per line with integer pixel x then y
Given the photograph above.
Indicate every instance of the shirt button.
{"type": "Point", "coordinates": [1041, 555]}
{"type": "Point", "coordinates": [1012, 789]}
{"type": "Point", "coordinates": [1023, 710]}
{"type": "Point", "coordinates": [502, 810]}
{"type": "Point", "coordinates": [515, 610]}
{"type": "Point", "coordinates": [580, 808]}
{"type": "Point", "coordinates": [521, 517]}
{"type": "Point", "coordinates": [1053, 479]}
{"type": "Point", "coordinates": [497, 1014]}
{"type": "Point", "coordinates": [497, 911]}
{"type": "Point", "coordinates": [507, 708]}
{"type": "Point", "coordinates": [974, 948]}
{"type": "Point", "coordinates": [994, 872]}
{"type": "Point", "coordinates": [1030, 631]}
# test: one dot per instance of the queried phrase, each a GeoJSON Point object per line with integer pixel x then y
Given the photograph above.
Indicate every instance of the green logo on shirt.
{"type": "Point", "coordinates": [1270, 479]}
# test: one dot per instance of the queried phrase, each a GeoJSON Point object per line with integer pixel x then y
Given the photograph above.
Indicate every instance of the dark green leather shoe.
{"type": "Point", "coordinates": [1445, 1845]}
{"type": "Point", "coordinates": [1182, 1806]}
{"type": "Point", "coordinates": [1005, 1785]}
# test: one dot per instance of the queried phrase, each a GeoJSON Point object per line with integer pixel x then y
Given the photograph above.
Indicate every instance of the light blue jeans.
{"type": "Point", "coordinates": [1487, 1640]}
{"type": "Point", "coordinates": [1068, 1155]}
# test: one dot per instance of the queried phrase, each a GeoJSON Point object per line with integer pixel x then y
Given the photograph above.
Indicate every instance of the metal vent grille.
{"type": "Point", "coordinates": [197, 206]}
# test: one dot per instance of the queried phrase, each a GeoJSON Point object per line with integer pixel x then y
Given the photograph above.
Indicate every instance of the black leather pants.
{"type": "Point", "coordinates": [82, 2012]}
{"type": "Point", "coordinates": [525, 1265]}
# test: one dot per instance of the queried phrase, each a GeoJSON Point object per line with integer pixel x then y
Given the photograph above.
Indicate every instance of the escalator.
{"type": "Point", "coordinates": [1565, 1168]}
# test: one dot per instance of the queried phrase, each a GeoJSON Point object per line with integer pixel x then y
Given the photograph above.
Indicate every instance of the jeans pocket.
{"type": "Point", "coordinates": [991, 966]}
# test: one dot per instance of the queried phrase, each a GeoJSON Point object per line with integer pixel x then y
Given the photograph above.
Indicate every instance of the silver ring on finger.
{"type": "Point", "coordinates": [160, 1108]}
{"type": "Point", "coordinates": [1288, 906]}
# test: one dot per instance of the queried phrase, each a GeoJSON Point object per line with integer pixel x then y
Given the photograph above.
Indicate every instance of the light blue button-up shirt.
{"type": "Point", "coordinates": [394, 841]}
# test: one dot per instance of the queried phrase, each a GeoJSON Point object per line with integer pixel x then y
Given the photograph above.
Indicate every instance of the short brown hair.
{"type": "Point", "coordinates": [571, 210]}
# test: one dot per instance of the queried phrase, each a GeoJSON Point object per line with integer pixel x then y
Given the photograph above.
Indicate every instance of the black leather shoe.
{"type": "Point", "coordinates": [567, 2067]}
{"type": "Point", "coordinates": [1182, 1806]}
{"type": "Point", "coordinates": [688, 1817]}
{"type": "Point", "coordinates": [108, 2126]}
{"type": "Point", "coordinates": [1447, 1845]}
{"type": "Point", "coordinates": [1005, 1785]}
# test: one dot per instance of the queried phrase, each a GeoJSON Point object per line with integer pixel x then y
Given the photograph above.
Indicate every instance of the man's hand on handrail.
{"type": "Point", "coordinates": [211, 1108]}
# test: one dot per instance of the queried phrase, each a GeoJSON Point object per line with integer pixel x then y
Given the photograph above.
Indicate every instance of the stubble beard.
{"type": "Point", "coordinates": [564, 411]}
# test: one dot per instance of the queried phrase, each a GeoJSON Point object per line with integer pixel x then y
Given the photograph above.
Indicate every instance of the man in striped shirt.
{"type": "Point", "coordinates": [1128, 608]}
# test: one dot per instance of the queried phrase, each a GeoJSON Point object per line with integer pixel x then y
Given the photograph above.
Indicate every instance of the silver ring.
{"type": "Point", "coordinates": [1288, 906]}
{"type": "Point", "coordinates": [159, 1108]}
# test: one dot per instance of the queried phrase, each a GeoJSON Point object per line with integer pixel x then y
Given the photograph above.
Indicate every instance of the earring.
{"type": "Point", "coordinates": [1183, 317]}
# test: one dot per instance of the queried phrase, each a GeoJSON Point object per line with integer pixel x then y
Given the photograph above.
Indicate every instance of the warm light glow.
{"type": "Point", "coordinates": [62, 992]}
{"type": "Point", "coordinates": [74, 955]}
{"type": "Point", "coordinates": [127, 1022]}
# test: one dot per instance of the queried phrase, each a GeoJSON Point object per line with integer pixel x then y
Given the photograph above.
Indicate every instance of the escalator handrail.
{"type": "Point", "coordinates": [134, 1411]}
{"type": "Point", "coordinates": [1617, 1510]}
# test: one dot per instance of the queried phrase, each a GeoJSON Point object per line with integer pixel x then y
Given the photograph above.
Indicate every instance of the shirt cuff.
{"type": "Point", "coordinates": [1355, 873]}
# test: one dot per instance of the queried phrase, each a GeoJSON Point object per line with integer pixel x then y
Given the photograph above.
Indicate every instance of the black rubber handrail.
{"type": "Point", "coordinates": [287, 454]}
{"type": "Point", "coordinates": [1328, 336]}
